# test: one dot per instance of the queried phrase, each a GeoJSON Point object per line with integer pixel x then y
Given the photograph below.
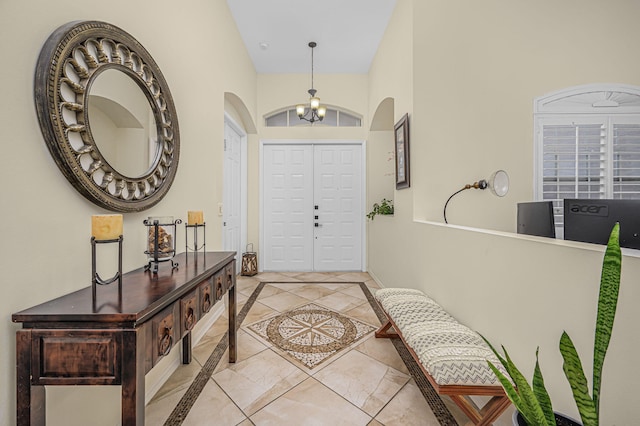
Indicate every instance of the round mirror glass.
{"type": "Point", "coordinates": [122, 123]}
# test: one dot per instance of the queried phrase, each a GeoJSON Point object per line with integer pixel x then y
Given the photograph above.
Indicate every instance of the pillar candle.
{"type": "Point", "coordinates": [106, 226]}
{"type": "Point", "coordinates": [195, 217]}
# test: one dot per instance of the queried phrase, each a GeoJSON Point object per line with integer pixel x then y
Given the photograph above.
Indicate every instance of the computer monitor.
{"type": "Point", "coordinates": [536, 218]}
{"type": "Point", "coordinates": [591, 221]}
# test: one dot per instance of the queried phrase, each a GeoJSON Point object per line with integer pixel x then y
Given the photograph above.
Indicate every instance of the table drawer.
{"type": "Point", "coordinates": [189, 312]}
{"type": "Point", "coordinates": [76, 356]}
{"type": "Point", "coordinates": [219, 284]}
{"type": "Point", "coordinates": [230, 275]}
{"type": "Point", "coordinates": [207, 296]}
{"type": "Point", "coordinates": [164, 332]}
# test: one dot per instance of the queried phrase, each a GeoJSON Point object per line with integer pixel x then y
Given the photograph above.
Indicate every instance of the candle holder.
{"type": "Point", "coordinates": [95, 277]}
{"type": "Point", "coordinates": [161, 241]}
{"type": "Point", "coordinates": [195, 228]}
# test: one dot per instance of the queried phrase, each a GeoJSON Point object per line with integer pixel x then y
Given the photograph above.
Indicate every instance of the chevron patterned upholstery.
{"type": "Point", "coordinates": [407, 314]}
{"type": "Point", "coordinates": [452, 357]}
{"type": "Point", "coordinates": [384, 293]}
{"type": "Point", "coordinates": [451, 352]}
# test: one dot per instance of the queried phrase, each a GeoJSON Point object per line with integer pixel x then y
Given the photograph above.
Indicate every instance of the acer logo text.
{"type": "Point", "coordinates": [593, 209]}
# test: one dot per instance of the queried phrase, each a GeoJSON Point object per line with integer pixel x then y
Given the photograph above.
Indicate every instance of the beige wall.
{"type": "Point", "coordinates": [381, 167]}
{"type": "Point", "coordinates": [45, 223]}
{"type": "Point", "coordinates": [477, 66]}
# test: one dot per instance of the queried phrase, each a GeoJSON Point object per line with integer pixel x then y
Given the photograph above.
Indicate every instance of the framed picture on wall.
{"type": "Point", "coordinates": [401, 131]}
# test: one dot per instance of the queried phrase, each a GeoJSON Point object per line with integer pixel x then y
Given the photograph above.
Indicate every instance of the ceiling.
{"type": "Point", "coordinates": [277, 33]}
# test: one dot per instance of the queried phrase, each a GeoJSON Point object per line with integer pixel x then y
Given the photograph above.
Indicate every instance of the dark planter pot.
{"type": "Point", "coordinates": [561, 420]}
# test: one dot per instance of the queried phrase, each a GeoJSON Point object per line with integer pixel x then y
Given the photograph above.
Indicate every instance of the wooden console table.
{"type": "Point", "coordinates": [71, 341]}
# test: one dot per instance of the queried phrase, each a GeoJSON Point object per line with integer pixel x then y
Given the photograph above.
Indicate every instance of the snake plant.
{"type": "Point", "coordinates": [533, 401]}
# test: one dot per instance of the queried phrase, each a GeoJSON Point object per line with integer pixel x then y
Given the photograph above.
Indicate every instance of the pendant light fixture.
{"type": "Point", "coordinates": [313, 111]}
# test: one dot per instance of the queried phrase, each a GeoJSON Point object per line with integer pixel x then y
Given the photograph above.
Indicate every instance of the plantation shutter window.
{"type": "Point", "coordinates": [587, 145]}
{"type": "Point", "coordinates": [574, 157]}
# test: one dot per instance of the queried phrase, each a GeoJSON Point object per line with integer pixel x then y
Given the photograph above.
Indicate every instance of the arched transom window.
{"type": "Point", "coordinates": [335, 117]}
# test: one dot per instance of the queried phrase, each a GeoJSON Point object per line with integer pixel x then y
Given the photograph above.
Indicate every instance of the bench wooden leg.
{"type": "Point", "coordinates": [487, 414]}
{"type": "Point", "coordinates": [383, 331]}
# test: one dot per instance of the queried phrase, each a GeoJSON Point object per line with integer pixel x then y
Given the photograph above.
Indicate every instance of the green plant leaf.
{"type": "Point", "coordinates": [575, 375]}
{"type": "Point", "coordinates": [500, 358]}
{"type": "Point", "coordinates": [607, 304]}
{"type": "Point", "coordinates": [384, 208]}
{"type": "Point", "coordinates": [541, 393]}
{"type": "Point", "coordinates": [521, 395]}
{"type": "Point", "coordinates": [511, 392]}
{"type": "Point", "coordinates": [535, 412]}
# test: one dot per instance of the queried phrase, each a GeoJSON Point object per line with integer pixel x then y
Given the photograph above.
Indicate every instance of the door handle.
{"type": "Point", "coordinates": [317, 225]}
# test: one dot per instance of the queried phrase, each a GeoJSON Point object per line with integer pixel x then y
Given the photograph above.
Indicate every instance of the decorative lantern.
{"type": "Point", "coordinates": [161, 241]}
{"type": "Point", "coordinates": [249, 262]}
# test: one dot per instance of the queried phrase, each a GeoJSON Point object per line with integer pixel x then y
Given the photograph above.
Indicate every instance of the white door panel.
{"type": "Point", "coordinates": [338, 193]}
{"type": "Point", "coordinates": [288, 209]}
{"type": "Point", "coordinates": [231, 217]}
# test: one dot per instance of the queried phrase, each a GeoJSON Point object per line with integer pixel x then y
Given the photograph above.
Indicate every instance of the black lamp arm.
{"type": "Point", "coordinates": [449, 199]}
{"type": "Point", "coordinates": [481, 184]}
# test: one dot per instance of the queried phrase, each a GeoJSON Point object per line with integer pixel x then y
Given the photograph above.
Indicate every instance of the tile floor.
{"type": "Point", "coordinates": [365, 384]}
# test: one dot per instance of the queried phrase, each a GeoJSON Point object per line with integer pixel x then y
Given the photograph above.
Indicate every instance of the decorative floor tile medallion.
{"type": "Point", "coordinates": [311, 333]}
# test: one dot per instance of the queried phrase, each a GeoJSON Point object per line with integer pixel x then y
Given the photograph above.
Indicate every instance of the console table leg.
{"type": "Point", "coordinates": [186, 348]}
{"type": "Point", "coordinates": [132, 378]}
{"type": "Point", "coordinates": [38, 406]}
{"type": "Point", "coordinates": [30, 400]}
{"type": "Point", "coordinates": [232, 324]}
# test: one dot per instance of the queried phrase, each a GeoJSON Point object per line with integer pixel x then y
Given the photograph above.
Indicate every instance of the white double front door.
{"type": "Point", "coordinates": [313, 207]}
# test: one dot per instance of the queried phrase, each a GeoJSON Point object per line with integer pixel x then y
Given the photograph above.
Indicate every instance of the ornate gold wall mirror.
{"type": "Point", "coordinates": [107, 115]}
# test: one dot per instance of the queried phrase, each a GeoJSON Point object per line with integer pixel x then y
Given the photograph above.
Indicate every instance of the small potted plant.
{"type": "Point", "coordinates": [533, 402]}
{"type": "Point", "coordinates": [385, 208]}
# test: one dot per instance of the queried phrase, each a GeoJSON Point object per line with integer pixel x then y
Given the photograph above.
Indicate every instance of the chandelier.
{"type": "Point", "coordinates": [314, 111]}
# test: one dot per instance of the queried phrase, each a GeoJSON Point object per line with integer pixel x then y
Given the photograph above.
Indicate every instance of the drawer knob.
{"type": "Point", "coordinates": [189, 319]}
{"type": "Point", "coordinates": [219, 288]}
{"type": "Point", "coordinates": [206, 303]}
{"type": "Point", "coordinates": [166, 341]}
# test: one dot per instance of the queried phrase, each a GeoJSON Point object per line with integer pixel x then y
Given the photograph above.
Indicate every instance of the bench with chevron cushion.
{"type": "Point", "coordinates": [452, 357]}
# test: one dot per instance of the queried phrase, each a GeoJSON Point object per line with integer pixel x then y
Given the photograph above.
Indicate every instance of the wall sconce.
{"type": "Point", "coordinates": [498, 183]}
